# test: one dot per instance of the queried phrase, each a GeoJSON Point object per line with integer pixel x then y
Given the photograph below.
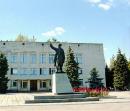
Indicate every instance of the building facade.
{"type": "Point", "coordinates": [31, 63]}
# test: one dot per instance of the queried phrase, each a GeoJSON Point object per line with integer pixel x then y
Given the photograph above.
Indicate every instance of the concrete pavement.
{"type": "Point", "coordinates": [70, 107]}
{"type": "Point", "coordinates": [15, 102]}
{"type": "Point", "coordinates": [17, 98]}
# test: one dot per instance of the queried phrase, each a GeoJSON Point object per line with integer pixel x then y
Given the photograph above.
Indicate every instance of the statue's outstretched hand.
{"type": "Point", "coordinates": [50, 43]}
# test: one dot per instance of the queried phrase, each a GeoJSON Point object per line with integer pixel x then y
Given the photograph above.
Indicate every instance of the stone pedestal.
{"type": "Point", "coordinates": [61, 83]}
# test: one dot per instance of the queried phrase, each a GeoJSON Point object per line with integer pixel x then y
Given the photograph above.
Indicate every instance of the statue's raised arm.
{"type": "Point", "coordinates": [54, 48]}
{"type": "Point", "coordinates": [59, 57]}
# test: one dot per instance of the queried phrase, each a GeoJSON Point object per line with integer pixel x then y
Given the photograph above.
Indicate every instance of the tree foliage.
{"type": "Point", "coordinates": [120, 72]}
{"type": "Point", "coordinates": [71, 68]}
{"type": "Point", "coordinates": [129, 74]}
{"type": "Point", "coordinates": [109, 77]}
{"type": "Point", "coordinates": [3, 73]}
{"type": "Point", "coordinates": [109, 71]}
{"type": "Point", "coordinates": [112, 63]}
{"type": "Point", "coordinates": [24, 38]}
{"type": "Point", "coordinates": [93, 74]}
{"type": "Point", "coordinates": [94, 79]}
{"type": "Point", "coordinates": [129, 65]}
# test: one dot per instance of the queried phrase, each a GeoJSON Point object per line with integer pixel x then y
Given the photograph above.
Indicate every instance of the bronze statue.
{"type": "Point", "coordinates": [59, 57]}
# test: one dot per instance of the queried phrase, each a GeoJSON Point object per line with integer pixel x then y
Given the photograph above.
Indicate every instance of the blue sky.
{"type": "Point", "coordinates": [90, 21]}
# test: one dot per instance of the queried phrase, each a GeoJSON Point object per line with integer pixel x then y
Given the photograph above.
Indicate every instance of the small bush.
{"type": "Point", "coordinates": [93, 92]}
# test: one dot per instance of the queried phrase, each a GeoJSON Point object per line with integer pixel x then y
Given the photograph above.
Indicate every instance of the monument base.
{"type": "Point", "coordinates": [61, 83]}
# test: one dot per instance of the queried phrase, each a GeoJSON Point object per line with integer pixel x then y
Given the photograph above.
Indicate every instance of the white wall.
{"type": "Point", "coordinates": [92, 56]}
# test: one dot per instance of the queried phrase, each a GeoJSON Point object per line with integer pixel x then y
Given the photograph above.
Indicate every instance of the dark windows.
{"type": "Point", "coordinates": [43, 84]}
{"type": "Point", "coordinates": [14, 83]}
{"type": "Point", "coordinates": [52, 70]}
{"type": "Point", "coordinates": [14, 71]}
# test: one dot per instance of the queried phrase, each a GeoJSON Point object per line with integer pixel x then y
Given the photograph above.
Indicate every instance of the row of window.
{"type": "Point", "coordinates": [32, 71]}
{"type": "Point", "coordinates": [32, 58]}
{"type": "Point", "coordinates": [24, 84]}
{"type": "Point", "coordinates": [36, 71]}
{"type": "Point", "coordinates": [25, 58]}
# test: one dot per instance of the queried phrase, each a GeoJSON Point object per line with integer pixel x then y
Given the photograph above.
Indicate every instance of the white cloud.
{"type": "Point", "coordinates": [105, 6]}
{"type": "Point", "coordinates": [55, 32]}
{"type": "Point", "coordinates": [94, 1]}
{"type": "Point", "coordinates": [108, 4]}
{"type": "Point", "coordinates": [101, 4]}
{"type": "Point", "coordinates": [59, 30]}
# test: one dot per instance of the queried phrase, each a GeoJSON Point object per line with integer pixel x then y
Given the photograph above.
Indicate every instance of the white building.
{"type": "Point", "coordinates": [31, 63]}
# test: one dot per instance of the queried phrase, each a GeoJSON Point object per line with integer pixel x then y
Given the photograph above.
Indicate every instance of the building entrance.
{"type": "Point", "coordinates": [33, 85]}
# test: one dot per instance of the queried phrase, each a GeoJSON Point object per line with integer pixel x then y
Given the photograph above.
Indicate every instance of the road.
{"type": "Point", "coordinates": [15, 102]}
{"type": "Point", "coordinates": [124, 106]}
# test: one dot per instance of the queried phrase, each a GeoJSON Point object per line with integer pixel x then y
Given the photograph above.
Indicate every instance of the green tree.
{"type": "Point", "coordinates": [21, 38]}
{"type": "Point", "coordinates": [94, 79]}
{"type": "Point", "coordinates": [129, 65]}
{"type": "Point", "coordinates": [93, 74]}
{"type": "Point", "coordinates": [24, 38]}
{"type": "Point", "coordinates": [109, 77]}
{"type": "Point", "coordinates": [112, 63]}
{"type": "Point", "coordinates": [129, 74]}
{"type": "Point", "coordinates": [71, 68]}
{"type": "Point", "coordinates": [3, 73]}
{"type": "Point", "coordinates": [110, 73]}
{"type": "Point", "coordinates": [120, 72]}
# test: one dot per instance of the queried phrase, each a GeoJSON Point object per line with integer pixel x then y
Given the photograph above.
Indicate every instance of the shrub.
{"type": "Point", "coordinates": [93, 92]}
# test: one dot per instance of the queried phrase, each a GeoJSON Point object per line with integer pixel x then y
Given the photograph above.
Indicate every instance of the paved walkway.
{"type": "Point", "coordinates": [15, 102]}
{"type": "Point", "coordinates": [14, 99]}
{"type": "Point", "coordinates": [71, 107]}
{"type": "Point", "coordinates": [17, 98]}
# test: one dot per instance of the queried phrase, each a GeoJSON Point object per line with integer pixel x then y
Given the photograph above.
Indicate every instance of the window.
{"type": "Point", "coordinates": [80, 71]}
{"type": "Point", "coordinates": [24, 84]}
{"type": "Point", "coordinates": [13, 58]}
{"type": "Point", "coordinates": [50, 83]}
{"type": "Point", "coordinates": [27, 71]}
{"type": "Point", "coordinates": [33, 58]}
{"type": "Point", "coordinates": [24, 71]}
{"type": "Point", "coordinates": [52, 70]}
{"type": "Point", "coordinates": [14, 71]}
{"type": "Point", "coordinates": [51, 58]}
{"type": "Point", "coordinates": [44, 71]}
{"type": "Point", "coordinates": [14, 83]}
{"type": "Point", "coordinates": [42, 58]}
{"type": "Point", "coordinates": [23, 58]}
{"type": "Point", "coordinates": [81, 82]}
{"type": "Point", "coordinates": [34, 71]}
{"type": "Point", "coordinates": [42, 84]}
{"type": "Point", "coordinates": [78, 58]}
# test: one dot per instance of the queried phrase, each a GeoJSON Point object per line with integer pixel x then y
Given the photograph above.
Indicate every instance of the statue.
{"type": "Point", "coordinates": [59, 57]}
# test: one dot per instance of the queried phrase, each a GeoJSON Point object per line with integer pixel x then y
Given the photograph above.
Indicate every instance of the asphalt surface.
{"type": "Point", "coordinates": [15, 102]}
